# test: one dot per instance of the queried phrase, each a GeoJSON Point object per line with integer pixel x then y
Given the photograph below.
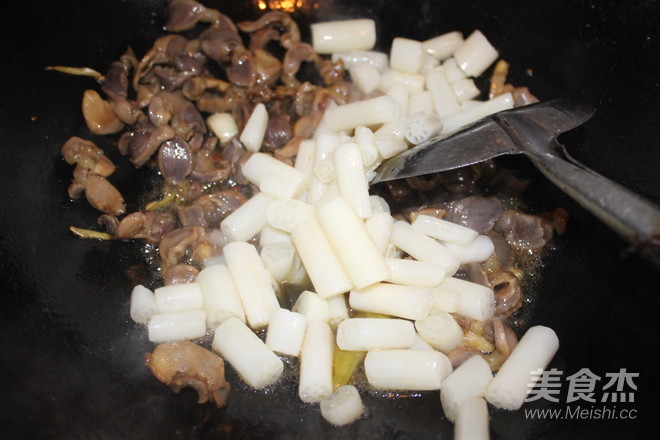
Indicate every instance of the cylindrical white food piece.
{"type": "Point", "coordinates": [221, 299]}
{"type": "Point", "coordinates": [365, 76]}
{"type": "Point", "coordinates": [406, 55]}
{"type": "Point", "coordinates": [414, 82]}
{"type": "Point", "coordinates": [440, 330]}
{"type": "Point", "coordinates": [286, 332]}
{"type": "Point", "coordinates": [474, 300]}
{"type": "Point", "coordinates": [390, 145]}
{"type": "Point", "coordinates": [372, 111]}
{"type": "Point", "coordinates": [473, 114]}
{"type": "Point", "coordinates": [312, 306]}
{"type": "Point", "coordinates": [420, 102]}
{"type": "Point", "coordinates": [469, 380]}
{"type": "Point", "coordinates": [343, 406]}
{"type": "Point", "coordinates": [422, 127]}
{"type": "Point", "coordinates": [262, 164]}
{"type": "Point", "coordinates": [379, 60]}
{"type": "Point", "coordinates": [351, 179]}
{"type": "Point", "coordinates": [257, 365]}
{"type": "Point", "coordinates": [420, 344]}
{"type": "Point", "coordinates": [476, 252]}
{"type": "Point", "coordinates": [179, 298]}
{"type": "Point", "coordinates": [476, 54]}
{"type": "Point", "coordinates": [223, 126]}
{"type": "Point", "coordinates": [287, 214]}
{"type": "Point", "coordinates": [337, 309]}
{"type": "Point", "coordinates": [305, 157]}
{"type": "Point", "coordinates": [298, 275]}
{"type": "Point", "coordinates": [316, 362]}
{"type": "Point", "coordinates": [393, 299]}
{"type": "Point", "coordinates": [143, 304]}
{"type": "Point", "coordinates": [414, 273]}
{"type": "Point", "coordinates": [445, 102]}
{"type": "Point", "coordinates": [517, 377]}
{"type": "Point", "coordinates": [472, 420]}
{"type": "Point", "coordinates": [255, 128]}
{"type": "Point", "coordinates": [325, 170]}
{"type": "Point", "coordinates": [465, 89]}
{"type": "Point", "coordinates": [422, 247]}
{"type": "Point", "coordinates": [444, 45]}
{"type": "Point", "coordinates": [444, 230]}
{"type": "Point", "coordinates": [324, 269]}
{"type": "Point", "coordinates": [379, 204]}
{"type": "Point", "coordinates": [419, 370]}
{"type": "Point", "coordinates": [401, 95]}
{"type": "Point", "coordinates": [166, 327]}
{"type": "Point", "coordinates": [330, 193]}
{"type": "Point", "coordinates": [278, 259]}
{"type": "Point", "coordinates": [453, 73]}
{"type": "Point", "coordinates": [364, 138]}
{"type": "Point", "coordinates": [470, 104]}
{"type": "Point", "coordinates": [248, 220]}
{"type": "Point", "coordinates": [359, 257]}
{"type": "Point", "coordinates": [445, 300]}
{"type": "Point", "coordinates": [395, 128]}
{"type": "Point", "coordinates": [280, 188]}
{"type": "Point", "coordinates": [253, 282]}
{"type": "Point", "coordinates": [270, 235]}
{"type": "Point", "coordinates": [379, 227]}
{"type": "Point", "coordinates": [428, 62]}
{"type": "Point", "coordinates": [364, 334]}
{"type": "Point", "coordinates": [343, 36]}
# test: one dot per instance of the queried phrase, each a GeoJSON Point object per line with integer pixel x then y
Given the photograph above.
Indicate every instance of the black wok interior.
{"type": "Point", "coordinates": [72, 361]}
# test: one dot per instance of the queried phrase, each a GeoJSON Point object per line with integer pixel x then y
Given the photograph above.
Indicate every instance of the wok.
{"type": "Point", "coordinates": [72, 362]}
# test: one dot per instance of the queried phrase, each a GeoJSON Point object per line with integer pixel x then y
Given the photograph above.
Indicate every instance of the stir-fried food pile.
{"type": "Point", "coordinates": [268, 235]}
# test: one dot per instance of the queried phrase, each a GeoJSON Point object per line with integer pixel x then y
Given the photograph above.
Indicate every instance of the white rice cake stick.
{"type": "Point", "coordinates": [420, 102]}
{"type": "Point", "coordinates": [472, 420]}
{"type": "Point", "coordinates": [343, 406]}
{"type": "Point", "coordinates": [379, 60]}
{"type": "Point", "coordinates": [221, 299]}
{"type": "Point", "coordinates": [440, 330]}
{"type": "Point", "coordinates": [278, 259]}
{"type": "Point", "coordinates": [179, 298]}
{"type": "Point", "coordinates": [253, 282]}
{"type": "Point", "coordinates": [379, 227]}
{"type": "Point", "coordinates": [305, 157]}
{"type": "Point", "coordinates": [445, 102]}
{"type": "Point", "coordinates": [248, 220]}
{"type": "Point", "coordinates": [315, 382]}
{"type": "Point", "coordinates": [357, 253]}
{"type": "Point", "coordinates": [285, 215]}
{"type": "Point", "coordinates": [255, 128]}
{"type": "Point", "coordinates": [312, 306]}
{"type": "Point", "coordinates": [444, 230]}
{"type": "Point", "coordinates": [393, 299]}
{"type": "Point", "coordinates": [351, 179]}
{"type": "Point", "coordinates": [455, 122]}
{"type": "Point", "coordinates": [453, 73]}
{"type": "Point", "coordinates": [257, 365]}
{"type": "Point", "coordinates": [414, 82]}
{"type": "Point", "coordinates": [365, 76]}
{"type": "Point", "coordinates": [520, 371]}
{"type": "Point", "coordinates": [419, 370]}
{"type": "Point", "coordinates": [423, 248]}
{"type": "Point", "coordinates": [262, 164]}
{"type": "Point", "coordinates": [476, 252]}
{"type": "Point", "coordinates": [465, 89]}
{"type": "Point", "coordinates": [321, 263]}
{"type": "Point", "coordinates": [143, 304]}
{"type": "Point", "coordinates": [372, 111]}
{"type": "Point", "coordinates": [343, 36]}
{"type": "Point", "coordinates": [223, 125]}
{"type": "Point", "coordinates": [474, 300]}
{"type": "Point", "coordinates": [286, 332]}
{"type": "Point", "coordinates": [406, 55]}
{"type": "Point", "coordinates": [414, 273]}
{"type": "Point", "coordinates": [469, 380]}
{"type": "Point", "coordinates": [443, 46]}
{"type": "Point", "coordinates": [337, 310]}
{"type": "Point", "coordinates": [476, 54]}
{"type": "Point", "coordinates": [166, 327]}
{"type": "Point", "coordinates": [364, 334]}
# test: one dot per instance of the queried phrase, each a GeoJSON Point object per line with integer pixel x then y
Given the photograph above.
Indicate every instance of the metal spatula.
{"type": "Point", "coordinates": [532, 130]}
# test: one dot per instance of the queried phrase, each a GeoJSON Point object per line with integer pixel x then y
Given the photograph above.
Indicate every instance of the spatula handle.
{"type": "Point", "coordinates": [633, 217]}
